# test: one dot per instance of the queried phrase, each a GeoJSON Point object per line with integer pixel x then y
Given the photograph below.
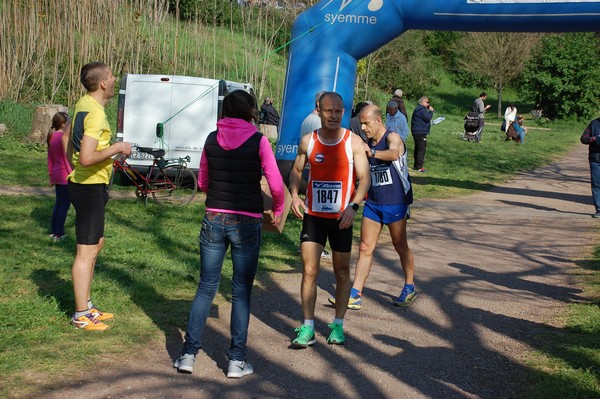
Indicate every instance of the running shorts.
{"type": "Point", "coordinates": [319, 230]}
{"type": "Point", "coordinates": [89, 201]}
{"type": "Point", "coordinates": [385, 214]}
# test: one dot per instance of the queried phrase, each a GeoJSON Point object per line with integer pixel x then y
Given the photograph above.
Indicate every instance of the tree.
{"type": "Point", "coordinates": [405, 62]}
{"type": "Point", "coordinates": [498, 58]}
{"type": "Point", "coordinates": [563, 76]}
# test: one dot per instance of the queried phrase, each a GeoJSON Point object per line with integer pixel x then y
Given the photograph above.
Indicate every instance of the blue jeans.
{"type": "Point", "coordinates": [595, 178]}
{"type": "Point", "coordinates": [61, 207]}
{"type": "Point", "coordinates": [215, 238]}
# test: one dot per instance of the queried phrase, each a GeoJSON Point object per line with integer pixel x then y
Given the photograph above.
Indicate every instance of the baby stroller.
{"type": "Point", "coordinates": [471, 126]}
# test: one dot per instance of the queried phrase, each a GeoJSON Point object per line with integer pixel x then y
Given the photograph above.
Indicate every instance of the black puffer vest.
{"type": "Point", "coordinates": [234, 175]}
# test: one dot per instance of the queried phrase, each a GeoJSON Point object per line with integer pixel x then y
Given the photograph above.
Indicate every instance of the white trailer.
{"type": "Point", "coordinates": [186, 107]}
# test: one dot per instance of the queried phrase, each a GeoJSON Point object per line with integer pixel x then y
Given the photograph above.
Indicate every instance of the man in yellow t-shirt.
{"type": "Point", "coordinates": [92, 165]}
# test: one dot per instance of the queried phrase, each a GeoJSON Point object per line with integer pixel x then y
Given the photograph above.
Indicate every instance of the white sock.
{"type": "Point", "coordinates": [82, 313]}
{"type": "Point", "coordinates": [310, 323]}
{"type": "Point", "coordinates": [90, 304]}
{"type": "Point", "coordinates": [338, 321]}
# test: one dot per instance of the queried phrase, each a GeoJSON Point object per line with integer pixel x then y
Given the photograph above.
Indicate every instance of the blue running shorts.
{"type": "Point", "coordinates": [385, 214]}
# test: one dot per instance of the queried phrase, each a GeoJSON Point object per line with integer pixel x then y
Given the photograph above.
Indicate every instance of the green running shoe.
{"type": "Point", "coordinates": [305, 338]}
{"type": "Point", "coordinates": [337, 334]}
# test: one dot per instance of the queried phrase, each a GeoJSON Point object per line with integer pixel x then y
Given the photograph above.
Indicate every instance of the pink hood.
{"type": "Point", "coordinates": [233, 132]}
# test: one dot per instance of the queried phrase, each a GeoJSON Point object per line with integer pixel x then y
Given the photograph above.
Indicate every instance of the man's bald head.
{"type": "Point", "coordinates": [372, 111]}
{"type": "Point", "coordinates": [370, 121]}
{"type": "Point", "coordinates": [333, 96]}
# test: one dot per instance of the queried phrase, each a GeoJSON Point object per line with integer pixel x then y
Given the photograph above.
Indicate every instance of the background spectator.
{"type": "Point", "coordinates": [312, 121]}
{"type": "Point", "coordinates": [590, 138]}
{"type": "Point", "coordinates": [58, 170]}
{"type": "Point", "coordinates": [480, 107]}
{"type": "Point", "coordinates": [510, 114]}
{"type": "Point", "coordinates": [420, 127]}
{"type": "Point", "coordinates": [397, 97]}
{"type": "Point", "coordinates": [355, 121]}
{"type": "Point", "coordinates": [395, 121]}
{"type": "Point", "coordinates": [269, 119]}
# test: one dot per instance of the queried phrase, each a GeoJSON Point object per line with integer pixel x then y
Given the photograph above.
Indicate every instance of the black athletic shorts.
{"type": "Point", "coordinates": [89, 201]}
{"type": "Point", "coordinates": [319, 230]}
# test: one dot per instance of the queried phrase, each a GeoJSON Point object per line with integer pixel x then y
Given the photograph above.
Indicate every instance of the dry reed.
{"type": "Point", "coordinates": [44, 44]}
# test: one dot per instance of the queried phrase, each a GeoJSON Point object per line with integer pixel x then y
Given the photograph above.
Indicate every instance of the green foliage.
{"type": "Point", "coordinates": [564, 77]}
{"type": "Point", "coordinates": [405, 62]}
{"type": "Point", "coordinates": [278, 22]}
{"type": "Point", "coordinates": [440, 43]}
{"type": "Point", "coordinates": [210, 12]}
{"type": "Point", "coordinates": [17, 118]}
{"type": "Point", "coordinates": [207, 10]}
{"type": "Point", "coordinates": [20, 162]}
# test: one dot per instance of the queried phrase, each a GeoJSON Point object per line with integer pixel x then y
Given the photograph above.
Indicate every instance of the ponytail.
{"type": "Point", "coordinates": [58, 120]}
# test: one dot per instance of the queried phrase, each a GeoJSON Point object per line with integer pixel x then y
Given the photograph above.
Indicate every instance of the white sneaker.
{"type": "Point", "coordinates": [185, 363]}
{"type": "Point", "coordinates": [239, 368]}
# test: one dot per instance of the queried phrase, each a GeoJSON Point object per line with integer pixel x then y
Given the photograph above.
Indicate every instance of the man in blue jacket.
{"type": "Point", "coordinates": [395, 120]}
{"type": "Point", "coordinates": [420, 125]}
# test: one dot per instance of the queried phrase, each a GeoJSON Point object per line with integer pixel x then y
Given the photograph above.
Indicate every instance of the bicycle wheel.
{"type": "Point", "coordinates": [175, 185]}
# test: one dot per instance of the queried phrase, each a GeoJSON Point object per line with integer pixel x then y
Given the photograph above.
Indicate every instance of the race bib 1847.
{"type": "Point", "coordinates": [327, 196]}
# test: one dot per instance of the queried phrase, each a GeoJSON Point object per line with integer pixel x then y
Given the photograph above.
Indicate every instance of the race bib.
{"type": "Point", "coordinates": [380, 175]}
{"type": "Point", "coordinates": [327, 196]}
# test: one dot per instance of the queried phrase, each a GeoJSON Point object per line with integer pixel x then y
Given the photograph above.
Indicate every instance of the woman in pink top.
{"type": "Point", "coordinates": [234, 160]}
{"type": "Point", "coordinates": [58, 170]}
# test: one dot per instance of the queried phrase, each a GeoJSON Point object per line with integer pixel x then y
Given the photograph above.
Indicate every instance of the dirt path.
{"type": "Point", "coordinates": [492, 271]}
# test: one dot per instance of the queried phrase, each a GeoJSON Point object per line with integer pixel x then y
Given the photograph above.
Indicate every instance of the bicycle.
{"type": "Point", "coordinates": [169, 181]}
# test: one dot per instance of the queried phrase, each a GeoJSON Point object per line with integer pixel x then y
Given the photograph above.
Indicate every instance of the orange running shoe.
{"type": "Point", "coordinates": [100, 315]}
{"type": "Point", "coordinates": [88, 322]}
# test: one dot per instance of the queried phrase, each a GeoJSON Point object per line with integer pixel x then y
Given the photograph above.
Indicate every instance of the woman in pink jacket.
{"type": "Point", "coordinates": [58, 170]}
{"type": "Point", "coordinates": [234, 159]}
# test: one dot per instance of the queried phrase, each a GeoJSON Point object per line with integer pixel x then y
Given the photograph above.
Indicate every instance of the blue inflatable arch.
{"type": "Point", "coordinates": [330, 37]}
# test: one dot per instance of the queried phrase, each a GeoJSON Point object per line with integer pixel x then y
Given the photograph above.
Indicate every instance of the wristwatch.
{"type": "Point", "coordinates": [373, 152]}
{"type": "Point", "coordinates": [354, 206]}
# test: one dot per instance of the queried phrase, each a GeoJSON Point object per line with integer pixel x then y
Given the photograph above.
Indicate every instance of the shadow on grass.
{"type": "Point", "coordinates": [170, 316]}
{"type": "Point", "coordinates": [591, 264]}
{"type": "Point", "coordinates": [50, 284]}
{"type": "Point", "coordinates": [554, 173]}
{"type": "Point", "coordinates": [462, 184]}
